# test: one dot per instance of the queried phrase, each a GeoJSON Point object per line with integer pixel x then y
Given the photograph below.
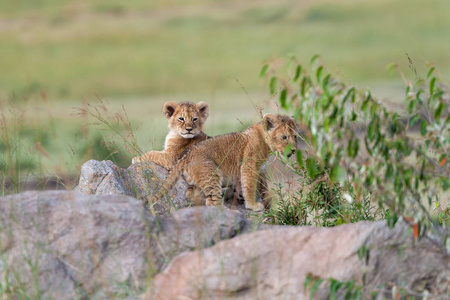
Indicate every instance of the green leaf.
{"type": "Point", "coordinates": [319, 73]}
{"type": "Point", "coordinates": [411, 106]}
{"type": "Point", "coordinates": [368, 95]}
{"type": "Point", "coordinates": [315, 287]}
{"type": "Point", "coordinates": [369, 178]}
{"type": "Point", "coordinates": [414, 120]}
{"type": "Point", "coordinates": [326, 103]}
{"type": "Point", "coordinates": [326, 125]}
{"type": "Point", "coordinates": [283, 96]}
{"type": "Point", "coordinates": [312, 167]}
{"type": "Point", "coordinates": [391, 67]}
{"type": "Point", "coordinates": [408, 88]}
{"type": "Point", "coordinates": [439, 110]}
{"type": "Point", "coordinates": [371, 129]}
{"type": "Point", "coordinates": [325, 83]}
{"type": "Point", "coordinates": [350, 93]}
{"type": "Point", "coordinates": [438, 94]}
{"type": "Point", "coordinates": [423, 127]}
{"type": "Point", "coordinates": [350, 148]}
{"type": "Point", "coordinates": [314, 58]}
{"type": "Point", "coordinates": [334, 114]}
{"type": "Point", "coordinates": [391, 218]}
{"type": "Point", "coordinates": [364, 254]}
{"type": "Point", "coordinates": [307, 280]}
{"type": "Point", "coordinates": [303, 86]}
{"type": "Point", "coordinates": [389, 172]}
{"type": "Point", "coordinates": [445, 184]}
{"type": "Point", "coordinates": [419, 92]}
{"type": "Point", "coordinates": [263, 71]}
{"type": "Point", "coordinates": [368, 148]}
{"type": "Point", "coordinates": [298, 71]}
{"type": "Point", "coordinates": [430, 72]}
{"type": "Point", "coordinates": [273, 85]}
{"type": "Point", "coordinates": [364, 105]}
{"type": "Point", "coordinates": [334, 287]}
{"type": "Point", "coordinates": [335, 173]}
{"type": "Point", "coordinates": [349, 290]}
{"type": "Point", "coordinates": [432, 84]}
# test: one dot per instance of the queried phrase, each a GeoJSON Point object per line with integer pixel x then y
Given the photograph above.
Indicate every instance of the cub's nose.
{"type": "Point", "coordinates": [189, 129]}
{"type": "Point", "coordinates": [292, 152]}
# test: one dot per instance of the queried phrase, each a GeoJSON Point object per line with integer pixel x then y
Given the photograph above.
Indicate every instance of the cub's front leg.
{"type": "Point", "coordinates": [159, 157]}
{"type": "Point", "coordinates": [249, 184]}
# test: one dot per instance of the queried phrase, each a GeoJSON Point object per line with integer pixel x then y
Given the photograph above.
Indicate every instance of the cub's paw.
{"type": "Point", "coordinates": [257, 206]}
{"type": "Point", "coordinates": [210, 202]}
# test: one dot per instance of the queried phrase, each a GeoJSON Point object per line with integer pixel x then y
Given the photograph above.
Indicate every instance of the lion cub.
{"type": "Point", "coordinates": [186, 124]}
{"type": "Point", "coordinates": [232, 158]}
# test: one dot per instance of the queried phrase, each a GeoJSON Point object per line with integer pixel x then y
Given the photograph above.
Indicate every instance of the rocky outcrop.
{"type": "Point", "coordinates": [140, 181]}
{"type": "Point", "coordinates": [274, 264]}
{"type": "Point", "coordinates": [68, 245]}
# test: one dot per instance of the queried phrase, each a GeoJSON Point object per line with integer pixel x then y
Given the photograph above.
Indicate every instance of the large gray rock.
{"type": "Point", "coordinates": [273, 264]}
{"type": "Point", "coordinates": [68, 245]}
{"type": "Point", "coordinates": [140, 181]}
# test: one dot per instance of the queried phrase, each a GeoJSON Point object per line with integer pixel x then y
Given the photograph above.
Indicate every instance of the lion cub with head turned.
{"type": "Point", "coordinates": [234, 157]}
{"type": "Point", "coordinates": [186, 121]}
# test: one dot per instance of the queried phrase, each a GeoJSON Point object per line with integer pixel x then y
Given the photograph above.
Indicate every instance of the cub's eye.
{"type": "Point", "coordinates": [181, 119]}
{"type": "Point", "coordinates": [194, 119]}
{"type": "Point", "coordinates": [284, 137]}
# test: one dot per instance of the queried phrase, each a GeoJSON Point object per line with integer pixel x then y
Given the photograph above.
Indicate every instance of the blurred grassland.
{"type": "Point", "coordinates": [58, 54]}
{"type": "Point", "coordinates": [73, 49]}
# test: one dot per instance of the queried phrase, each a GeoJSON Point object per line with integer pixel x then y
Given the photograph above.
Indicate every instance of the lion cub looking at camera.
{"type": "Point", "coordinates": [234, 157]}
{"type": "Point", "coordinates": [186, 124]}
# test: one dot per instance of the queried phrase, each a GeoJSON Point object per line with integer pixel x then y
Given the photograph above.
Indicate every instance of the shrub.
{"type": "Point", "coordinates": [366, 150]}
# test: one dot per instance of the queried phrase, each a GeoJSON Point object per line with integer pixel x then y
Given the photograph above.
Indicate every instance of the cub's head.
{"type": "Point", "coordinates": [186, 118]}
{"type": "Point", "coordinates": [280, 131]}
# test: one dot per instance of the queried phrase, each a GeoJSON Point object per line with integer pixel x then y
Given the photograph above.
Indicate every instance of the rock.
{"type": "Point", "coordinates": [197, 228]}
{"type": "Point", "coordinates": [140, 181]}
{"type": "Point", "coordinates": [273, 264]}
{"type": "Point", "coordinates": [68, 245]}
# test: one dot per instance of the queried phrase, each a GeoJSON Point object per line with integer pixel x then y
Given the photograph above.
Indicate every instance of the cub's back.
{"type": "Point", "coordinates": [221, 148]}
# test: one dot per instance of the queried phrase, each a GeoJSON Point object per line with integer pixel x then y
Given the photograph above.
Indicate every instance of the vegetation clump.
{"type": "Point", "coordinates": [362, 160]}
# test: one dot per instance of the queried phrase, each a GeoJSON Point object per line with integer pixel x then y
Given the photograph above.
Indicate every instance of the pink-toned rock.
{"type": "Point", "coordinates": [273, 264]}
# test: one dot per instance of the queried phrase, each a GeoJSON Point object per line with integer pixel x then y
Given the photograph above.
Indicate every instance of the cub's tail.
{"type": "Point", "coordinates": [174, 174]}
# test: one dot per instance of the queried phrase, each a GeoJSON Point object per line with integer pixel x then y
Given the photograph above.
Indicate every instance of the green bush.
{"type": "Point", "coordinates": [368, 153]}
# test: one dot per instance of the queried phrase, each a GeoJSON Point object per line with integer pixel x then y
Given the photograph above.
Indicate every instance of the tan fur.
{"type": "Point", "coordinates": [183, 133]}
{"type": "Point", "coordinates": [234, 158]}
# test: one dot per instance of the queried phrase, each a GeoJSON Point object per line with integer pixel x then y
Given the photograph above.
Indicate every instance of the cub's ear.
{"type": "Point", "coordinates": [203, 108]}
{"type": "Point", "coordinates": [169, 109]}
{"type": "Point", "coordinates": [269, 121]}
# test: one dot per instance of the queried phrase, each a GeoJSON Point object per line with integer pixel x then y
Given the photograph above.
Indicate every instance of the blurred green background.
{"type": "Point", "coordinates": [60, 55]}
